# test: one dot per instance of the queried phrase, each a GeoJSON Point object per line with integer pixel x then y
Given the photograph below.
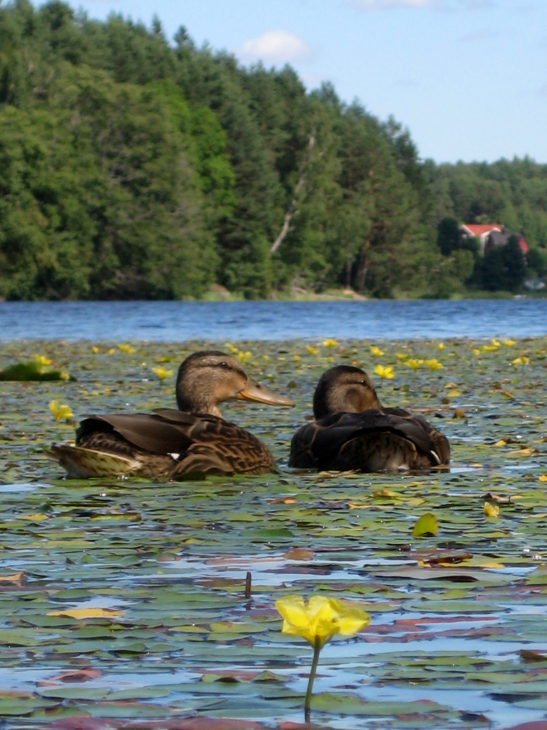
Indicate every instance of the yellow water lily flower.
{"type": "Point", "coordinates": [476, 351]}
{"type": "Point", "coordinates": [232, 349]}
{"type": "Point", "coordinates": [492, 347]}
{"type": "Point", "coordinates": [329, 343]}
{"type": "Point", "coordinates": [414, 363]}
{"type": "Point", "coordinates": [244, 356]}
{"type": "Point", "coordinates": [441, 345]}
{"type": "Point", "coordinates": [162, 373]}
{"type": "Point", "coordinates": [297, 358]}
{"type": "Point", "coordinates": [95, 350]}
{"type": "Point", "coordinates": [384, 371]}
{"type": "Point", "coordinates": [321, 619]}
{"type": "Point", "coordinates": [376, 351]}
{"type": "Point", "coordinates": [126, 348]}
{"type": "Point", "coordinates": [522, 360]}
{"type": "Point", "coordinates": [508, 343]}
{"type": "Point", "coordinates": [312, 350]}
{"type": "Point", "coordinates": [60, 411]}
{"type": "Point", "coordinates": [491, 510]}
{"type": "Point", "coordinates": [318, 622]}
{"type": "Point", "coordinates": [433, 364]}
{"type": "Point", "coordinates": [402, 355]}
{"type": "Point", "coordinates": [42, 360]}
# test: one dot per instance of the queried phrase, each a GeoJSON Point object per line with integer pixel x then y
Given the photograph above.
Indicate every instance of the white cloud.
{"type": "Point", "coordinates": [276, 45]}
{"type": "Point", "coordinates": [379, 4]}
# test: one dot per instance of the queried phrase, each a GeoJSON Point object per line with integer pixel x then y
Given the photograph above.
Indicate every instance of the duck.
{"type": "Point", "coordinates": [353, 431]}
{"type": "Point", "coordinates": [175, 444]}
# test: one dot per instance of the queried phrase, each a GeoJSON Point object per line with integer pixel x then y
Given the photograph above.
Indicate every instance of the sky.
{"type": "Point", "coordinates": [467, 77]}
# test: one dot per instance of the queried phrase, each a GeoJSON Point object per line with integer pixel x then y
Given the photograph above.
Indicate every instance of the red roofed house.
{"type": "Point", "coordinates": [491, 235]}
{"type": "Point", "coordinates": [480, 231]}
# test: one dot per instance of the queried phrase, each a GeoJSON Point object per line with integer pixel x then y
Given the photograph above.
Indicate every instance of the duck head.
{"type": "Point", "coordinates": [206, 379]}
{"type": "Point", "coordinates": [344, 389]}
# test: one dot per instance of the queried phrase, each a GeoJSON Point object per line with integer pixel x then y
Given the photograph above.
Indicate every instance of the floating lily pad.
{"type": "Point", "coordinates": [33, 371]}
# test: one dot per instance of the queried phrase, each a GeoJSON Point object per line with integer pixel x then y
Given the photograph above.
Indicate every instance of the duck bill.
{"type": "Point", "coordinates": [260, 394]}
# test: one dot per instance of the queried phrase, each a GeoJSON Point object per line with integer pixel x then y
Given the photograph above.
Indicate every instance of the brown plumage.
{"type": "Point", "coordinates": [176, 444]}
{"type": "Point", "coordinates": [353, 432]}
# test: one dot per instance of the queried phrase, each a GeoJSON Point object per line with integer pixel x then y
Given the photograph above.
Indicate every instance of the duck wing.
{"type": "Point", "coordinates": [385, 437]}
{"type": "Point", "coordinates": [197, 444]}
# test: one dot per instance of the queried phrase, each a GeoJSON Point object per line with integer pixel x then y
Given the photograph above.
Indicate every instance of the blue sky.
{"type": "Point", "coordinates": [467, 77]}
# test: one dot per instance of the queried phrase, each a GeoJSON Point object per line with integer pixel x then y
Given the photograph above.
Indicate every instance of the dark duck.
{"type": "Point", "coordinates": [352, 431]}
{"type": "Point", "coordinates": [175, 444]}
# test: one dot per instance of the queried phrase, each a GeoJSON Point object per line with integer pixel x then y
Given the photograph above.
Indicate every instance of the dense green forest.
{"type": "Point", "coordinates": [135, 167]}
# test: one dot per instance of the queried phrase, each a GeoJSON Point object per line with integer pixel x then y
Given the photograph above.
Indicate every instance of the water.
{"type": "Point", "coordinates": [180, 321]}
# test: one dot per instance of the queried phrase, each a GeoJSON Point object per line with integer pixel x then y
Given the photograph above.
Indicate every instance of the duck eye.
{"type": "Point", "coordinates": [363, 382]}
{"type": "Point", "coordinates": [223, 364]}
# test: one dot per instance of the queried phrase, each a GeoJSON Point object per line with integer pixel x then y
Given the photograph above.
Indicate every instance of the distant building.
{"type": "Point", "coordinates": [491, 235]}
{"type": "Point", "coordinates": [480, 231]}
{"type": "Point", "coordinates": [500, 239]}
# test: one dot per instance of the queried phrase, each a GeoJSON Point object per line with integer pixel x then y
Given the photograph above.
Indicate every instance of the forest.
{"type": "Point", "coordinates": [134, 166]}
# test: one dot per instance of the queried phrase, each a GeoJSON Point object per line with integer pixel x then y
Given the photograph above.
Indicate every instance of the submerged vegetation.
{"type": "Point", "coordinates": [131, 167]}
{"type": "Point", "coordinates": [130, 601]}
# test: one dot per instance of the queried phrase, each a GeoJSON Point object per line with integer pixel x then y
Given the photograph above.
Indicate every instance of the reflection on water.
{"type": "Point", "coordinates": [180, 321]}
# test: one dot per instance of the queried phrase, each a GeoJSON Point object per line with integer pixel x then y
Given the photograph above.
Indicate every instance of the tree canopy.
{"type": "Point", "coordinates": [131, 167]}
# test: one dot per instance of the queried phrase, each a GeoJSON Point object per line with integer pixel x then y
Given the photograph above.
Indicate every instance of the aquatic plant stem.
{"type": "Point", "coordinates": [316, 651]}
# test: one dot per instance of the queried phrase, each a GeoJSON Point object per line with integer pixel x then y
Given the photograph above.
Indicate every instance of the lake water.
{"type": "Point", "coordinates": [180, 321]}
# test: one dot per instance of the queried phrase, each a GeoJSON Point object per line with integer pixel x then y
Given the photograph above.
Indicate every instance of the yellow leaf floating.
{"type": "Point", "coordinates": [491, 510]}
{"type": "Point", "coordinates": [426, 525]}
{"type": "Point", "coordinates": [13, 578]}
{"type": "Point", "coordinates": [321, 619]}
{"type": "Point", "coordinates": [81, 613]}
{"type": "Point", "coordinates": [60, 411]}
{"type": "Point", "coordinates": [501, 442]}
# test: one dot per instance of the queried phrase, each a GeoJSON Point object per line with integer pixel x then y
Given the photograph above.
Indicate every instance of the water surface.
{"type": "Point", "coordinates": [180, 321]}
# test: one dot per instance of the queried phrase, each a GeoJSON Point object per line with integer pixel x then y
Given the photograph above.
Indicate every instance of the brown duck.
{"type": "Point", "coordinates": [173, 444]}
{"type": "Point", "coordinates": [352, 430]}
